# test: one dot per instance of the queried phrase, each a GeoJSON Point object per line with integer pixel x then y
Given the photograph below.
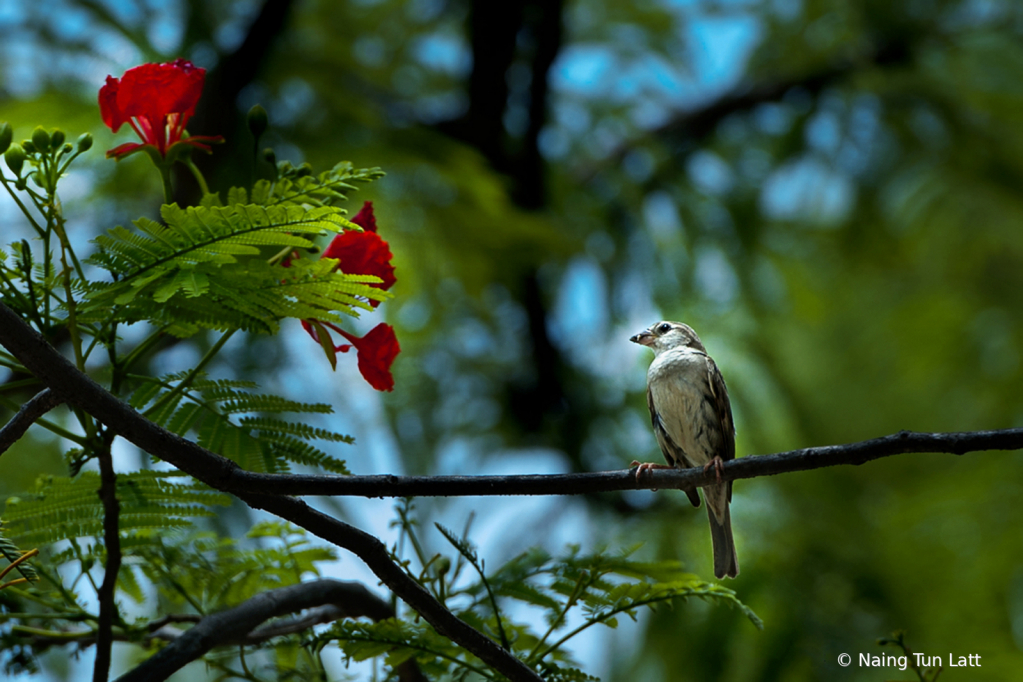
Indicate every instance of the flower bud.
{"type": "Point", "coordinates": [57, 138]}
{"type": "Point", "coordinates": [6, 135]}
{"type": "Point", "coordinates": [257, 121]}
{"type": "Point", "coordinates": [84, 142]}
{"type": "Point", "coordinates": [28, 147]}
{"type": "Point", "coordinates": [41, 139]}
{"type": "Point", "coordinates": [443, 565]}
{"type": "Point", "coordinates": [15, 157]}
{"type": "Point", "coordinates": [270, 156]}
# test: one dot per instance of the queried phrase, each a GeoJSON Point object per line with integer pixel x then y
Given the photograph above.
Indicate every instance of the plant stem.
{"type": "Point", "coordinates": [36, 226]}
{"type": "Point", "coordinates": [197, 174]}
{"type": "Point", "coordinates": [557, 621]}
{"type": "Point", "coordinates": [141, 349]}
{"type": "Point", "coordinates": [168, 190]}
{"type": "Point", "coordinates": [47, 424]}
{"type": "Point", "coordinates": [184, 383]}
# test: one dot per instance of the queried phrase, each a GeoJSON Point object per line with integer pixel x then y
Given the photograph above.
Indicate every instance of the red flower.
{"type": "Point", "coordinates": [365, 218]}
{"type": "Point", "coordinates": [364, 253]}
{"type": "Point", "coordinates": [156, 100]}
{"type": "Point", "coordinates": [376, 350]}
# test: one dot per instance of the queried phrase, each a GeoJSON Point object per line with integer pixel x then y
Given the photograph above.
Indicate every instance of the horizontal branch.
{"type": "Point", "coordinates": [271, 492]}
{"type": "Point", "coordinates": [604, 481]}
{"type": "Point", "coordinates": [238, 625]}
{"type": "Point", "coordinates": [79, 389]}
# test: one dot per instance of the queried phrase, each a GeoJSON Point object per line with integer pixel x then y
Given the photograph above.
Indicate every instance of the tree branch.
{"type": "Point", "coordinates": [693, 125]}
{"type": "Point", "coordinates": [112, 544]}
{"type": "Point", "coordinates": [239, 625]}
{"type": "Point", "coordinates": [605, 481]}
{"type": "Point", "coordinates": [40, 404]}
{"type": "Point", "coordinates": [269, 492]}
{"type": "Point", "coordinates": [79, 389]}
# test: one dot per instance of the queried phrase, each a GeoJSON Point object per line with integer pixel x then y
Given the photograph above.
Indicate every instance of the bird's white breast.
{"type": "Point", "coordinates": [679, 381]}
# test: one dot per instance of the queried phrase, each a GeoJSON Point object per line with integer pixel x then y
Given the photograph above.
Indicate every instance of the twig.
{"type": "Point", "coordinates": [40, 404]}
{"type": "Point", "coordinates": [329, 599]}
{"type": "Point", "coordinates": [694, 125]}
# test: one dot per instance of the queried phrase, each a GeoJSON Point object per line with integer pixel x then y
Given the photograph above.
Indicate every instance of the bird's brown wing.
{"type": "Point", "coordinates": [673, 454]}
{"type": "Point", "coordinates": [723, 410]}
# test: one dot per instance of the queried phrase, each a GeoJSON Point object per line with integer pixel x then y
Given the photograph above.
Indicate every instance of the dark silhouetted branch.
{"type": "Point", "coordinates": [606, 481]}
{"type": "Point", "coordinates": [270, 492]}
{"type": "Point", "coordinates": [78, 389]}
{"type": "Point", "coordinates": [327, 599]}
{"type": "Point", "coordinates": [112, 566]}
{"type": "Point", "coordinates": [40, 404]}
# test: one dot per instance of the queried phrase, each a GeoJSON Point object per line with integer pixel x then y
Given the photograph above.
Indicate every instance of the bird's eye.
{"type": "Point", "coordinates": [664, 328]}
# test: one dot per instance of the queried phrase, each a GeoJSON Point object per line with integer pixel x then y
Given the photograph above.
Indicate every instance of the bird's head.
{"type": "Point", "coordinates": [663, 336]}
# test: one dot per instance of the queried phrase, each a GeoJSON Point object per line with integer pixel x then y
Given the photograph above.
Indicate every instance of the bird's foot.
{"type": "Point", "coordinates": [717, 463]}
{"type": "Point", "coordinates": [647, 466]}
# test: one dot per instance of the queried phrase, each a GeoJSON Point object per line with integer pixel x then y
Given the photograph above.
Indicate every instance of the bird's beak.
{"type": "Point", "coordinates": [644, 338]}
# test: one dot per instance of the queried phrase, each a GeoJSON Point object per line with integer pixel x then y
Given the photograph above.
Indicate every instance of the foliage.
{"type": "Point", "coordinates": [567, 594]}
{"type": "Point", "coordinates": [228, 267]}
{"type": "Point", "coordinates": [187, 404]}
{"type": "Point", "coordinates": [188, 571]}
{"type": "Point", "coordinates": [843, 233]}
{"type": "Point", "coordinates": [65, 508]}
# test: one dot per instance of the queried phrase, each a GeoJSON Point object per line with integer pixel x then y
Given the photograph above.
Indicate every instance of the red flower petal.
{"type": "Point", "coordinates": [377, 351]}
{"type": "Point", "coordinates": [155, 99]}
{"type": "Point", "coordinates": [156, 90]}
{"type": "Point", "coordinates": [365, 218]}
{"type": "Point", "coordinates": [112, 115]}
{"type": "Point", "coordinates": [121, 151]}
{"type": "Point", "coordinates": [363, 253]}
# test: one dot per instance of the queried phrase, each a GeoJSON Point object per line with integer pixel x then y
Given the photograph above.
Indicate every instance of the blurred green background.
{"type": "Point", "coordinates": [829, 191]}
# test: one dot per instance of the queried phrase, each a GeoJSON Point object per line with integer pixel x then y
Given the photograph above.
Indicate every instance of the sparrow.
{"type": "Point", "coordinates": [692, 422]}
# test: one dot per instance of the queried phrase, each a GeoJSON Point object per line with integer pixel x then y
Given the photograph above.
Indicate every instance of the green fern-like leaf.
{"type": "Point", "coordinates": [11, 552]}
{"type": "Point", "coordinates": [397, 641]}
{"type": "Point", "coordinates": [253, 296]}
{"type": "Point", "coordinates": [297, 186]}
{"type": "Point", "coordinates": [200, 235]}
{"type": "Point", "coordinates": [60, 508]}
{"type": "Point", "coordinates": [255, 441]}
{"type": "Point", "coordinates": [218, 573]}
{"type": "Point", "coordinates": [204, 269]}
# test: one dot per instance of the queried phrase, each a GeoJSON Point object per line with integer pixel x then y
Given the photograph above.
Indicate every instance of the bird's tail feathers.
{"type": "Point", "coordinates": [725, 561]}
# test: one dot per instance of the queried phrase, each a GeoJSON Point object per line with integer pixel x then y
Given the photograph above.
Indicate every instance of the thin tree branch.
{"type": "Point", "coordinates": [323, 601]}
{"type": "Point", "coordinates": [40, 404]}
{"type": "Point", "coordinates": [268, 491]}
{"type": "Point", "coordinates": [79, 389]}
{"type": "Point", "coordinates": [112, 545]}
{"type": "Point", "coordinates": [239, 625]}
{"type": "Point", "coordinates": [605, 481]}
{"type": "Point", "coordinates": [693, 125]}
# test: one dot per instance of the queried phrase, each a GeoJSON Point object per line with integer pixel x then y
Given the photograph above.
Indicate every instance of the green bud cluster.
{"type": "Point", "coordinates": [15, 157]}
{"type": "Point", "coordinates": [6, 136]}
{"type": "Point", "coordinates": [44, 150]}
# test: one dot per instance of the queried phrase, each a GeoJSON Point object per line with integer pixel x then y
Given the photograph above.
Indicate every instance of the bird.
{"type": "Point", "coordinates": [692, 421]}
